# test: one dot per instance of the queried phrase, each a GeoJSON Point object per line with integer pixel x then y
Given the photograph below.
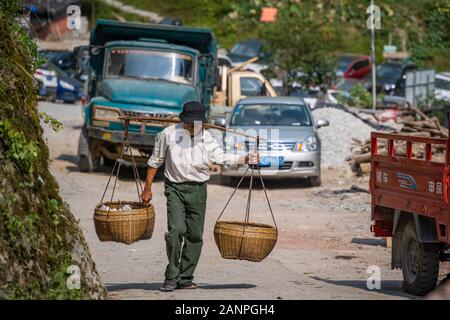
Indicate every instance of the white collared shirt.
{"type": "Point", "coordinates": [187, 158]}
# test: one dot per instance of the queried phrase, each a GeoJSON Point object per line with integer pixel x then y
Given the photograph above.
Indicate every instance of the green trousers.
{"type": "Point", "coordinates": [186, 204]}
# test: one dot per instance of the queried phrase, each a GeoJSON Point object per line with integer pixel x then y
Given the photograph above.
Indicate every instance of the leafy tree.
{"type": "Point", "coordinates": [300, 48]}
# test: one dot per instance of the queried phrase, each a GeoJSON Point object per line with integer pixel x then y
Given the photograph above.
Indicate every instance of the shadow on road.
{"type": "Point", "coordinates": [72, 158]}
{"type": "Point", "coordinates": [226, 286]}
{"type": "Point", "coordinates": [157, 286]}
{"type": "Point", "coordinates": [133, 286]}
{"type": "Point", "coordinates": [370, 242]}
{"type": "Point", "coordinates": [389, 287]}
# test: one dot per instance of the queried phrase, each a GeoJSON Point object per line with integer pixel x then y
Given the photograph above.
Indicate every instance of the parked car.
{"type": "Point", "coordinates": [391, 76]}
{"type": "Point", "coordinates": [80, 67]}
{"type": "Point", "coordinates": [60, 58]}
{"type": "Point", "coordinates": [292, 146]}
{"type": "Point", "coordinates": [442, 86]}
{"type": "Point", "coordinates": [171, 21]}
{"type": "Point", "coordinates": [247, 49]}
{"type": "Point", "coordinates": [354, 66]}
{"type": "Point", "coordinates": [314, 97]}
{"type": "Point", "coordinates": [49, 81]}
{"type": "Point", "coordinates": [343, 89]}
{"type": "Point", "coordinates": [75, 63]}
{"type": "Point", "coordinates": [41, 90]}
{"type": "Point", "coordinates": [58, 85]}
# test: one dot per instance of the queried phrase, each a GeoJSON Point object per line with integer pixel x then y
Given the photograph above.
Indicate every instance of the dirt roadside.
{"type": "Point", "coordinates": [323, 252]}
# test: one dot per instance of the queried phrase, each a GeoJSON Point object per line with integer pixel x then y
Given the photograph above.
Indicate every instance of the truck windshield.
{"type": "Point", "coordinates": [148, 64]}
{"type": "Point", "coordinates": [271, 115]}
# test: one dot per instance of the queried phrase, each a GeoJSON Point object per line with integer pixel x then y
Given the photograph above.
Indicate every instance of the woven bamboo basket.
{"type": "Point", "coordinates": [124, 226]}
{"type": "Point", "coordinates": [253, 244]}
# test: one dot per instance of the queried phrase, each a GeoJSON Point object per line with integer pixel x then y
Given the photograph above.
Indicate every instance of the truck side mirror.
{"type": "Point", "coordinates": [94, 50]}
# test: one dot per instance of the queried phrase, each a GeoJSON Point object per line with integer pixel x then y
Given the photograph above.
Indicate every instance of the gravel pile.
{"type": "Point", "coordinates": [337, 137]}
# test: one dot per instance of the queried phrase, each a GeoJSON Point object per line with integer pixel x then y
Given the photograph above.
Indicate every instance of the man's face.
{"type": "Point", "coordinates": [193, 127]}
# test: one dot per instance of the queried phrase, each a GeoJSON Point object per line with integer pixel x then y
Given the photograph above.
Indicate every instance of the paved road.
{"type": "Point", "coordinates": [323, 251]}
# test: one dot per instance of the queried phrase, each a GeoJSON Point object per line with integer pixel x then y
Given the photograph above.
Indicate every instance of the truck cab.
{"type": "Point", "coordinates": [236, 83]}
{"type": "Point", "coordinates": [141, 69]}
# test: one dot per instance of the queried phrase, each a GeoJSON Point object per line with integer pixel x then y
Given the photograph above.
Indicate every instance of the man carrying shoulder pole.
{"type": "Point", "coordinates": [186, 148]}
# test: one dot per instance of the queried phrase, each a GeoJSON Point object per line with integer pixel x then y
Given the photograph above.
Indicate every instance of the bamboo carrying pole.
{"type": "Point", "coordinates": [177, 120]}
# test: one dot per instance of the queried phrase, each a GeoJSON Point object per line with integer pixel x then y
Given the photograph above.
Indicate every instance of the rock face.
{"type": "Point", "coordinates": [43, 253]}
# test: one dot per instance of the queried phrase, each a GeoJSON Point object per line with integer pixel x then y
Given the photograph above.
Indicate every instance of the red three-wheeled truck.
{"type": "Point", "coordinates": [410, 203]}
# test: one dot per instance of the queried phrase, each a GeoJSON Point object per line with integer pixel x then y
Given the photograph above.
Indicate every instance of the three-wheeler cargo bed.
{"type": "Point", "coordinates": [408, 184]}
{"type": "Point", "coordinates": [409, 199]}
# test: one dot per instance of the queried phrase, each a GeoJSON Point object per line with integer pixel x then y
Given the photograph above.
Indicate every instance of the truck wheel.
{"type": "Point", "coordinates": [420, 263]}
{"type": "Point", "coordinates": [87, 162]}
{"type": "Point", "coordinates": [315, 181]}
{"type": "Point", "coordinates": [108, 162]}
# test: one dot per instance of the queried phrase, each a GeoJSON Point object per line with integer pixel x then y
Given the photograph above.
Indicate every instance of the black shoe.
{"type": "Point", "coordinates": [169, 285]}
{"type": "Point", "coordinates": [187, 285]}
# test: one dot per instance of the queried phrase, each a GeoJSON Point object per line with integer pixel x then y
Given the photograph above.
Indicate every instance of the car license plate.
{"type": "Point", "coordinates": [271, 161]}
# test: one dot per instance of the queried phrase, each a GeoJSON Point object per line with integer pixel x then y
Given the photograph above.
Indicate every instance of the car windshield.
{"type": "Point", "coordinates": [149, 64]}
{"type": "Point", "coordinates": [271, 115]}
{"type": "Point", "coordinates": [442, 84]}
{"type": "Point", "coordinates": [389, 71]}
{"type": "Point", "coordinates": [344, 62]}
{"type": "Point", "coordinates": [246, 49]}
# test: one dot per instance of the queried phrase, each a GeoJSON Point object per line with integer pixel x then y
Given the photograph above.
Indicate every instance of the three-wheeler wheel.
{"type": "Point", "coordinates": [420, 263]}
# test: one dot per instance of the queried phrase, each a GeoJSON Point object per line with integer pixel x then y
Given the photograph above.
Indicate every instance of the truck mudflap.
{"type": "Point", "coordinates": [137, 139]}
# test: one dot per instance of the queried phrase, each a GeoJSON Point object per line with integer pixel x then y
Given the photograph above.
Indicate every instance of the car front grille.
{"type": "Point", "coordinates": [286, 165]}
{"type": "Point", "coordinates": [271, 145]}
{"type": "Point", "coordinates": [131, 113]}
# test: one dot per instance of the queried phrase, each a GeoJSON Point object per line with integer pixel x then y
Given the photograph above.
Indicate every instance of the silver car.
{"type": "Point", "coordinates": [290, 146]}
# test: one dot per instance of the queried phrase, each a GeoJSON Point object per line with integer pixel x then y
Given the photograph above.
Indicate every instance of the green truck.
{"type": "Point", "coordinates": [139, 69]}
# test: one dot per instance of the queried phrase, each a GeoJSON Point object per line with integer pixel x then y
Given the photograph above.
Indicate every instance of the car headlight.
{"type": "Point", "coordinates": [66, 85]}
{"type": "Point", "coordinates": [308, 144]}
{"type": "Point", "coordinates": [104, 113]}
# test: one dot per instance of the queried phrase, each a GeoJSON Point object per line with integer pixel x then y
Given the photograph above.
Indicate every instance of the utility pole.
{"type": "Point", "coordinates": [374, 76]}
{"type": "Point", "coordinates": [93, 12]}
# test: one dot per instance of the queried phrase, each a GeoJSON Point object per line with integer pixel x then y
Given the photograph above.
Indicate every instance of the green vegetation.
{"type": "Point", "coordinates": [17, 148]}
{"type": "Point", "coordinates": [52, 122]}
{"type": "Point", "coordinates": [38, 233]}
{"type": "Point", "coordinates": [105, 11]}
{"type": "Point", "coordinates": [359, 97]}
{"type": "Point", "coordinates": [421, 25]}
{"type": "Point", "coordinates": [289, 51]}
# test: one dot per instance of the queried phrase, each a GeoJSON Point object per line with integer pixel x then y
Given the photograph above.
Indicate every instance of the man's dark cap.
{"type": "Point", "coordinates": [193, 111]}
